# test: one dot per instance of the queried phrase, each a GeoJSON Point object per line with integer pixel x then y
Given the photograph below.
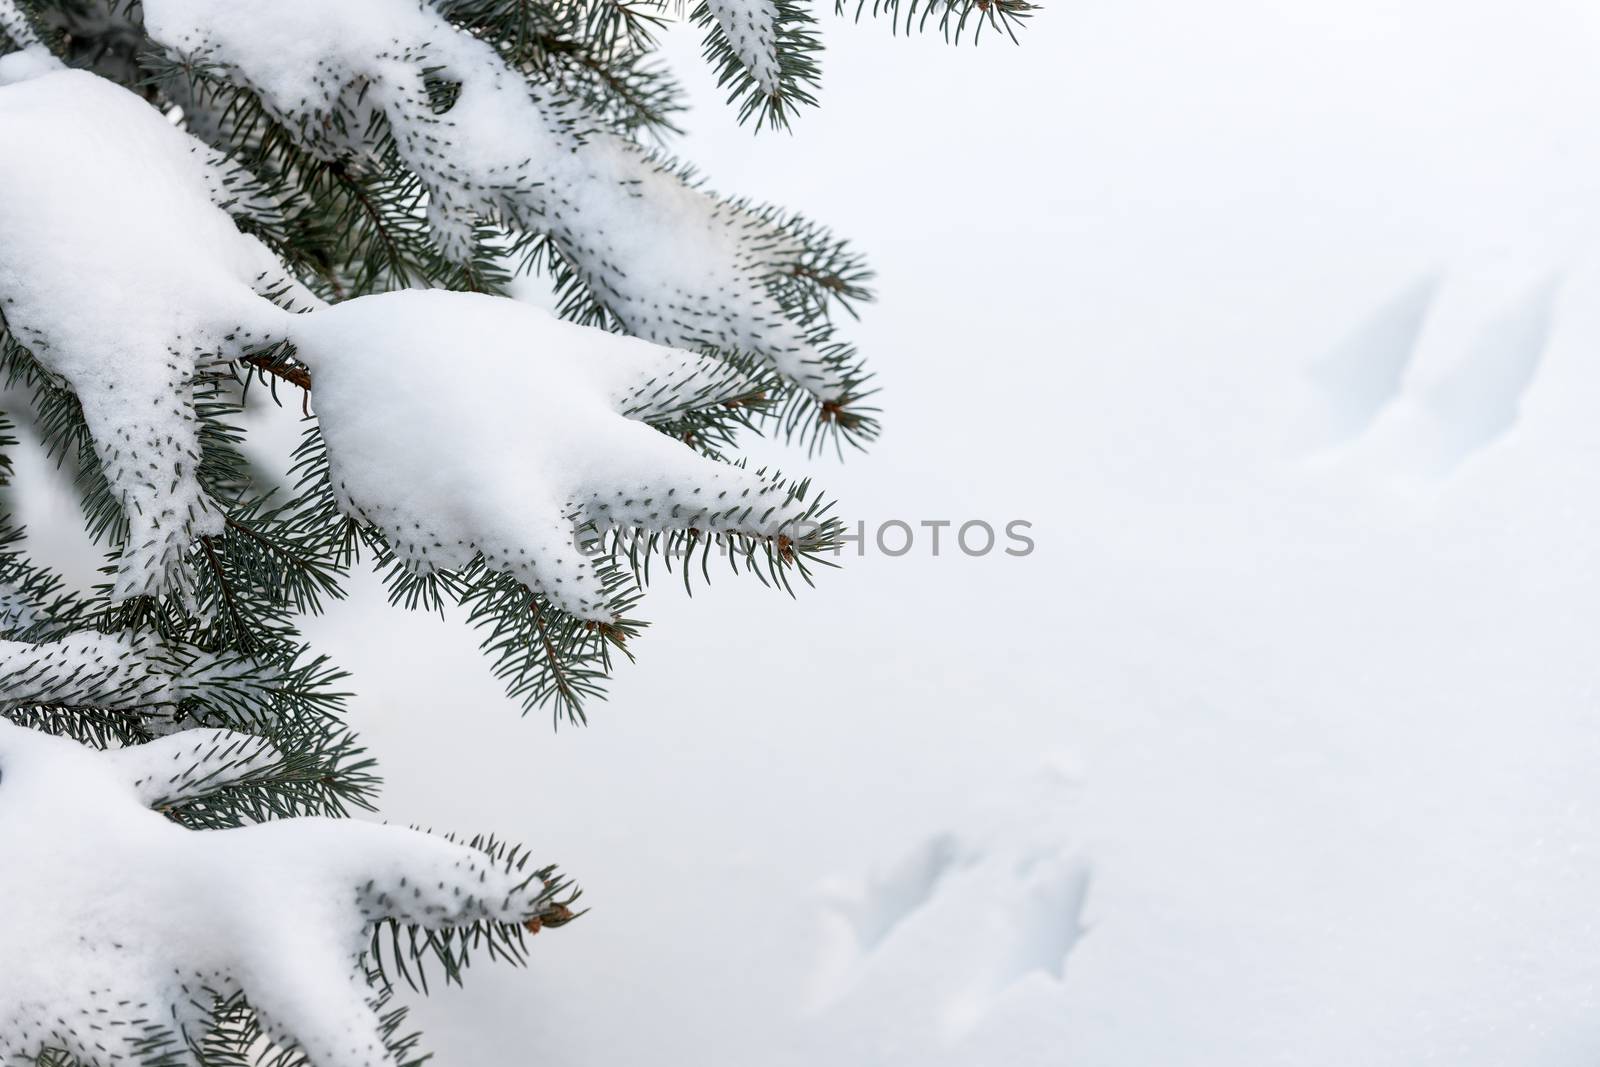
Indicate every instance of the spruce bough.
{"type": "Point", "coordinates": [327, 201]}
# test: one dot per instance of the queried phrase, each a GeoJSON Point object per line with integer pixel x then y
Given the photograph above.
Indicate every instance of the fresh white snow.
{"type": "Point", "coordinates": [15, 26]}
{"type": "Point", "coordinates": [23, 64]}
{"type": "Point", "coordinates": [118, 671]}
{"type": "Point", "coordinates": [462, 424]}
{"type": "Point", "coordinates": [752, 29]}
{"type": "Point", "coordinates": [1314, 649]}
{"type": "Point", "coordinates": [120, 923]}
{"type": "Point", "coordinates": [125, 300]}
{"type": "Point", "coordinates": [673, 263]}
{"type": "Point", "coordinates": [1278, 322]}
{"type": "Point", "coordinates": [459, 425]}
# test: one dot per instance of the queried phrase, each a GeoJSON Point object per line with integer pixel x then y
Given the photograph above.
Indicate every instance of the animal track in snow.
{"type": "Point", "coordinates": [1361, 374]}
{"type": "Point", "coordinates": [1048, 919]}
{"type": "Point", "coordinates": [1438, 373]}
{"type": "Point", "coordinates": [1478, 402]}
{"type": "Point", "coordinates": [1033, 933]}
{"type": "Point", "coordinates": [887, 899]}
{"type": "Point", "coordinates": [957, 924]}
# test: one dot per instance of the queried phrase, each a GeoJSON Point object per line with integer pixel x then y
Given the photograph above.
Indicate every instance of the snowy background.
{"type": "Point", "coordinates": [1280, 323]}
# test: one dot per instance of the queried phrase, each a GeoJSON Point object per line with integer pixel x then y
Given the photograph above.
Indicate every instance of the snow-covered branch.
{"type": "Point", "coordinates": [672, 262]}
{"type": "Point", "coordinates": [134, 930]}
{"type": "Point", "coordinates": [14, 24]}
{"type": "Point", "coordinates": [116, 671]}
{"type": "Point", "coordinates": [122, 277]}
{"type": "Point", "coordinates": [450, 468]}
{"type": "Point", "coordinates": [459, 425]}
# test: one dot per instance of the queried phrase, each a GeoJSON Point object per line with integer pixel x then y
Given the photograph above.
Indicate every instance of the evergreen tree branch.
{"type": "Point", "coordinates": [951, 18]}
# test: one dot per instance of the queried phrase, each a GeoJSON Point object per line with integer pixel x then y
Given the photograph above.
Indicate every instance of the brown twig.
{"type": "Point", "coordinates": [288, 372]}
{"type": "Point", "coordinates": [831, 282]}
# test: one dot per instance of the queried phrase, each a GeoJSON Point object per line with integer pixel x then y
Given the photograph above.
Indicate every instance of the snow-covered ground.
{"type": "Point", "coordinates": [1281, 325]}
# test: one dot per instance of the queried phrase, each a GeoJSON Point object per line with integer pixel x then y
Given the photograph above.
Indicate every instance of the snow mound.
{"type": "Point", "coordinates": [127, 301]}
{"type": "Point", "coordinates": [31, 62]}
{"type": "Point", "coordinates": [460, 424]}
{"type": "Point", "coordinates": [135, 925]}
